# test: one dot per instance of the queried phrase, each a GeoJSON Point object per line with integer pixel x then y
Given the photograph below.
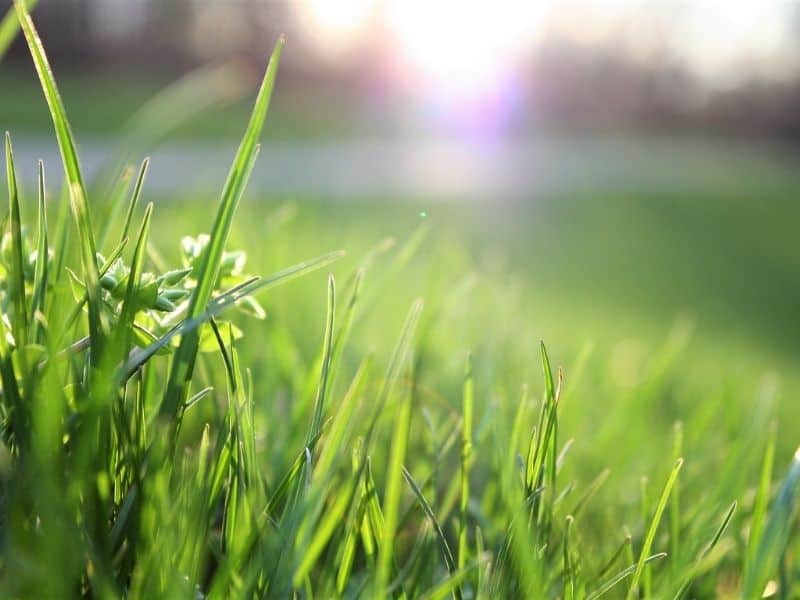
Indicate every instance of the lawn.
{"type": "Point", "coordinates": [388, 422]}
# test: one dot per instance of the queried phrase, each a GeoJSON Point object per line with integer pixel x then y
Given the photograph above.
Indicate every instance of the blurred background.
{"type": "Point", "coordinates": [621, 168]}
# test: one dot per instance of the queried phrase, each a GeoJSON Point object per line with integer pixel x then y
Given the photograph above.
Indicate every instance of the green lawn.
{"type": "Point", "coordinates": [101, 103]}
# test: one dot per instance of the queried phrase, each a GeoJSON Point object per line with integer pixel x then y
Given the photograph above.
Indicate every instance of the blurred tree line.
{"type": "Point", "coordinates": [568, 85]}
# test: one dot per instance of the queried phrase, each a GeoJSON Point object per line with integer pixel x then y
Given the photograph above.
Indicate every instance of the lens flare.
{"type": "Point", "coordinates": [337, 24]}
{"type": "Point", "coordinates": [465, 46]}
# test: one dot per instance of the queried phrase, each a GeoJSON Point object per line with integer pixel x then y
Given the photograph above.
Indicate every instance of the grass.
{"type": "Point", "coordinates": [165, 434]}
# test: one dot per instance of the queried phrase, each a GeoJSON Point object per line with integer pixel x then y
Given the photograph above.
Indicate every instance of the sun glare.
{"type": "Point", "coordinates": [337, 23]}
{"type": "Point", "coordinates": [462, 47]}
{"type": "Point", "coordinates": [459, 48]}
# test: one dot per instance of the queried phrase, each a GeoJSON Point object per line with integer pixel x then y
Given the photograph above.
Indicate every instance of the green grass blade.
{"type": "Point", "coordinates": [42, 256]}
{"type": "Point", "coordinates": [399, 356]}
{"type": "Point", "coordinates": [137, 192]}
{"type": "Point", "coordinates": [9, 27]}
{"type": "Point", "coordinates": [128, 311]}
{"type": "Point", "coordinates": [183, 362]}
{"type": "Point", "coordinates": [619, 577]}
{"type": "Point", "coordinates": [327, 345]}
{"type": "Point", "coordinates": [74, 179]}
{"type": "Point", "coordinates": [117, 191]}
{"type": "Point", "coordinates": [449, 561]}
{"type": "Point", "coordinates": [322, 535]}
{"type": "Point", "coordinates": [449, 586]}
{"type": "Point", "coordinates": [334, 440]}
{"type": "Point", "coordinates": [726, 520]}
{"type": "Point", "coordinates": [391, 501]}
{"type": "Point", "coordinates": [761, 502]}
{"type": "Point", "coordinates": [774, 540]}
{"type": "Point", "coordinates": [675, 501]}
{"type": "Point", "coordinates": [224, 301]}
{"type": "Point", "coordinates": [19, 324]}
{"type": "Point", "coordinates": [570, 583]}
{"type": "Point", "coordinates": [651, 532]}
{"type": "Point", "coordinates": [468, 401]}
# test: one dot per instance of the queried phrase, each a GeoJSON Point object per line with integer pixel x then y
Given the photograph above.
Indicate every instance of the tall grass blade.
{"type": "Point", "coordinates": [19, 324]}
{"type": "Point", "coordinates": [761, 502]}
{"type": "Point", "coordinates": [449, 561]}
{"type": "Point", "coordinates": [184, 359]}
{"type": "Point", "coordinates": [391, 501]}
{"type": "Point", "coordinates": [651, 532]}
{"type": "Point", "coordinates": [327, 346]}
{"type": "Point", "coordinates": [467, 401]}
{"type": "Point", "coordinates": [773, 542]}
{"type": "Point", "coordinates": [74, 179]}
{"type": "Point", "coordinates": [137, 192]}
{"type": "Point", "coordinates": [128, 310]}
{"type": "Point", "coordinates": [40, 275]}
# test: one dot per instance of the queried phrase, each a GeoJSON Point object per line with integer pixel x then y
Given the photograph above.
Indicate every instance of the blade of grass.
{"type": "Point", "coordinates": [705, 552]}
{"type": "Point", "coordinates": [222, 302]}
{"type": "Point", "coordinates": [42, 257]}
{"type": "Point", "coordinates": [9, 27]}
{"type": "Point", "coordinates": [468, 400]}
{"type": "Point", "coordinates": [137, 192]}
{"type": "Point", "coordinates": [74, 179]}
{"type": "Point", "coordinates": [773, 542]}
{"type": "Point", "coordinates": [619, 577]}
{"type": "Point", "coordinates": [327, 345]}
{"type": "Point", "coordinates": [391, 501]}
{"type": "Point", "coordinates": [128, 310]}
{"type": "Point", "coordinates": [451, 584]}
{"type": "Point", "coordinates": [651, 532]}
{"type": "Point", "coordinates": [675, 502]}
{"type": "Point", "coordinates": [761, 501]}
{"type": "Point", "coordinates": [443, 545]}
{"type": "Point", "coordinates": [570, 585]}
{"type": "Point", "coordinates": [183, 361]}
{"type": "Point", "coordinates": [19, 324]}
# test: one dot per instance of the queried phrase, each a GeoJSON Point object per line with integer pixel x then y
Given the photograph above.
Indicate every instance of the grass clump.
{"type": "Point", "coordinates": [134, 463]}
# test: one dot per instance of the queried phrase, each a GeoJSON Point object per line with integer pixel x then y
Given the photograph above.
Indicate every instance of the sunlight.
{"type": "Point", "coordinates": [462, 48]}
{"type": "Point", "coordinates": [337, 23]}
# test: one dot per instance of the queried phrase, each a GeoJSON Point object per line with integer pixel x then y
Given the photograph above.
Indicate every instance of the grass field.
{"type": "Point", "coordinates": [387, 422]}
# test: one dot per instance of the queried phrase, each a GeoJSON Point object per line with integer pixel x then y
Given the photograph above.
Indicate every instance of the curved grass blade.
{"type": "Point", "coordinates": [609, 585]}
{"type": "Point", "coordinates": [449, 561]}
{"type": "Point", "coordinates": [183, 362]}
{"type": "Point", "coordinates": [74, 179]}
